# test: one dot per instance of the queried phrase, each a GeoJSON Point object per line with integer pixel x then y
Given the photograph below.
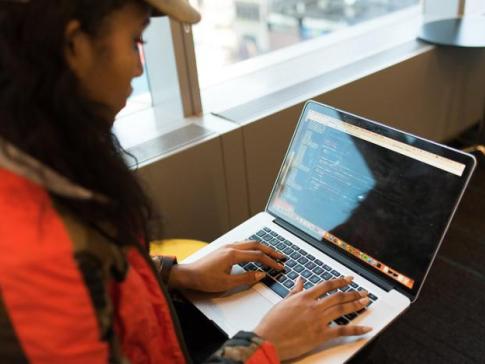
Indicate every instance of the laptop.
{"type": "Point", "coordinates": [352, 198]}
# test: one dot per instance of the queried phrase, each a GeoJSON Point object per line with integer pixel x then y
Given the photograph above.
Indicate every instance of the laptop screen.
{"type": "Point", "coordinates": [380, 196]}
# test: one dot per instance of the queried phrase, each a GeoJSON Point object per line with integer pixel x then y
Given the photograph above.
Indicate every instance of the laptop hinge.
{"type": "Point", "coordinates": [378, 281]}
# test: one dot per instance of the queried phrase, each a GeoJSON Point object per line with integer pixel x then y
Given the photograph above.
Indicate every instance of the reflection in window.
{"type": "Point", "coordinates": [235, 30]}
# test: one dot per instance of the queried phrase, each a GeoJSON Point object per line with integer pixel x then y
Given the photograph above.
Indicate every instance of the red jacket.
{"type": "Point", "coordinates": [67, 295]}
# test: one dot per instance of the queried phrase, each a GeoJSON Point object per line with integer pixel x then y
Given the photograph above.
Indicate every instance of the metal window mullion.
{"type": "Point", "coordinates": [461, 7]}
{"type": "Point", "coordinates": [184, 50]}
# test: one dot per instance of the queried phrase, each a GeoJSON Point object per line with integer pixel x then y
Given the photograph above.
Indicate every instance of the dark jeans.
{"type": "Point", "coordinates": [203, 337]}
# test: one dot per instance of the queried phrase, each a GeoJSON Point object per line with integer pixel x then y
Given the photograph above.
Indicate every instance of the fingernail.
{"type": "Point", "coordinates": [364, 301]}
{"type": "Point", "coordinates": [363, 293]}
{"type": "Point", "coordinates": [366, 329]}
{"type": "Point", "coordinates": [281, 266]}
{"type": "Point", "coordinates": [260, 275]}
{"type": "Point", "coordinates": [349, 278]}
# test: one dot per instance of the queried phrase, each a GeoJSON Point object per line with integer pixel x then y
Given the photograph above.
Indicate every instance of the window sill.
{"type": "Point", "coordinates": [151, 134]}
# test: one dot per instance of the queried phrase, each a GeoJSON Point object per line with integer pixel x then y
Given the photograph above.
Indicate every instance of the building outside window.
{"type": "Point", "coordinates": [232, 31]}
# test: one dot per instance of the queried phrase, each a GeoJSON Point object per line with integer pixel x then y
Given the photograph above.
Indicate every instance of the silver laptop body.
{"type": "Point", "coordinates": [352, 197]}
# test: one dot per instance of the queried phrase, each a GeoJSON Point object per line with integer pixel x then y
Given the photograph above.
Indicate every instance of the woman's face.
{"type": "Point", "coordinates": [106, 65]}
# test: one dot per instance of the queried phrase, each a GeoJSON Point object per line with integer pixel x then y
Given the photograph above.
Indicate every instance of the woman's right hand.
{"type": "Point", "coordinates": [301, 321]}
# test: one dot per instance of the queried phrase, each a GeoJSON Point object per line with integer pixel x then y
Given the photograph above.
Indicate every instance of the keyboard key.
{"type": "Point", "coordinates": [295, 255]}
{"type": "Point", "coordinates": [302, 260]}
{"type": "Point", "coordinates": [299, 268]}
{"type": "Point", "coordinates": [327, 276]}
{"type": "Point", "coordinates": [318, 270]}
{"type": "Point", "coordinates": [341, 321]}
{"type": "Point", "coordinates": [251, 267]}
{"type": "Point", "coordinates": [351, 316]}
{"type": "Point", "coordinates": [274, 272]}
{"type": "Point", "coordinates": [318, 262]}
{"type": "Point", "coordinates": [254, 237]}
{"type": "Point", "coordinates": [372, 297]}
{"type": "Point", "coordinates": [344, 289]}
{"type": "Point", "coordinates": [288, 251]}
{"type": "Point", "coordinates": [327, 268]}
{"type": "Point", "coordinates": [333, 291]}
{"type": "Point", "coordinates": [354, 285]}
{"type": "Point", "coordinates": [281, 246]}
{"type": "Point", "coordinates": [260, 233]}
{"type": "Point", "coordinates": [290, 263]}
{"type": "Point", "coordinates": [303, 253]}
{"type": "Point", "coordinates": [308, 285]}
{"type": "Point", "coordinates": [267, 229]}
{"type": "Point", "coordinates": [335, 273]}
{"type": "Point", "coordinates": [273, 233]}
{"type": "Point", "coordinates": [306, 273]}
{"type": "Point", "coordinates": [276, 287]}
{"type": "Point", "coordinates": [281, 278]}
{"type": "Point", "coordinates": [290, 244]}
{"type": "Point", "coordinates": [310, 257]}
{"type": "Point", "coordinates": [315, 279]}
{"type": "Point", "coordinates": [280, 238]}
{"type": "Point", "coordinates": [310, 265]}
{"type": "Point", "coordinates": [289, 284]}
{"type": "Point", "coordinates": [292, 275]}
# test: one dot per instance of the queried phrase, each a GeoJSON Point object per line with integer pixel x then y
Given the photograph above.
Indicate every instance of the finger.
{"type": "Point", "coordinates": [256, 245]}
{"type": "Point", "coordinates": [336, 311]}
{"type": "Point", "coordinates": [298, 287]}
{"type": "Point", "coordinates": [256, 256]}
{"type": "Point", "coordinates": [349, 330]}
{"type": "Point", "coordinates": [341, 298]}
{"type": "Point", "coordinates": [247, 278]}
{"type": "Point", "coordinates": [322, 288]}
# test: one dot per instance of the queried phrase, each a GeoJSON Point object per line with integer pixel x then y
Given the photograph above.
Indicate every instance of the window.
{"type": "Point", "coordinates": [236, 30]}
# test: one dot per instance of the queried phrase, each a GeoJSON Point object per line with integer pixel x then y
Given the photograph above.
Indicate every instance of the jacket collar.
{"type": "Point", "coordinates": [20, 163]}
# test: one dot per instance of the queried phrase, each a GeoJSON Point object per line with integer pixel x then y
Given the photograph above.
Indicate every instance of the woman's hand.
{"type": "Point", "coordinates": [213, 272]}
{"type": "Point", "coordinates": [301, 321]}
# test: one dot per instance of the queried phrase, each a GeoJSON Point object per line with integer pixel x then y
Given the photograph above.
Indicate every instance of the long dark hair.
{"type": "Point", "coordinates": [43, 112]}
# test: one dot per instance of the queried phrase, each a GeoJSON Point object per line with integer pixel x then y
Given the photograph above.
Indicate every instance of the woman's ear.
{"type": "Point", "coordinates": [78, 49]}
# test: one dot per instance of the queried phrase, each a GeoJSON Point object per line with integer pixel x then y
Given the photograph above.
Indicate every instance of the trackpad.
{"type": "Point", "coordinates": [233, 311]}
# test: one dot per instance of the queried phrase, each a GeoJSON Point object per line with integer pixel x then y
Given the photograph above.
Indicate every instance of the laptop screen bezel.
{"type": "Point", "coordinates": [468, 160]}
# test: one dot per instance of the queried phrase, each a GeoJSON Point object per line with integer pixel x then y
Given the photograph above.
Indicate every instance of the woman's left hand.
{"type": "Point", "coordinates": [213, 272]}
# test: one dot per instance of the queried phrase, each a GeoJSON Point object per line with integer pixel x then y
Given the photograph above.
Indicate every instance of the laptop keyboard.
{"type": "Point", "coordinates": [299, 263]}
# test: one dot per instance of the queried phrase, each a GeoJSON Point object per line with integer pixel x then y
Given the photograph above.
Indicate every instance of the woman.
{"type": "Point", "coordinates": [76, 282]}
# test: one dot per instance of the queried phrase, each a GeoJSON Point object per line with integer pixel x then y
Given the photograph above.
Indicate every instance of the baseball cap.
{"type": "Point", "coordinates": [179, 10]}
